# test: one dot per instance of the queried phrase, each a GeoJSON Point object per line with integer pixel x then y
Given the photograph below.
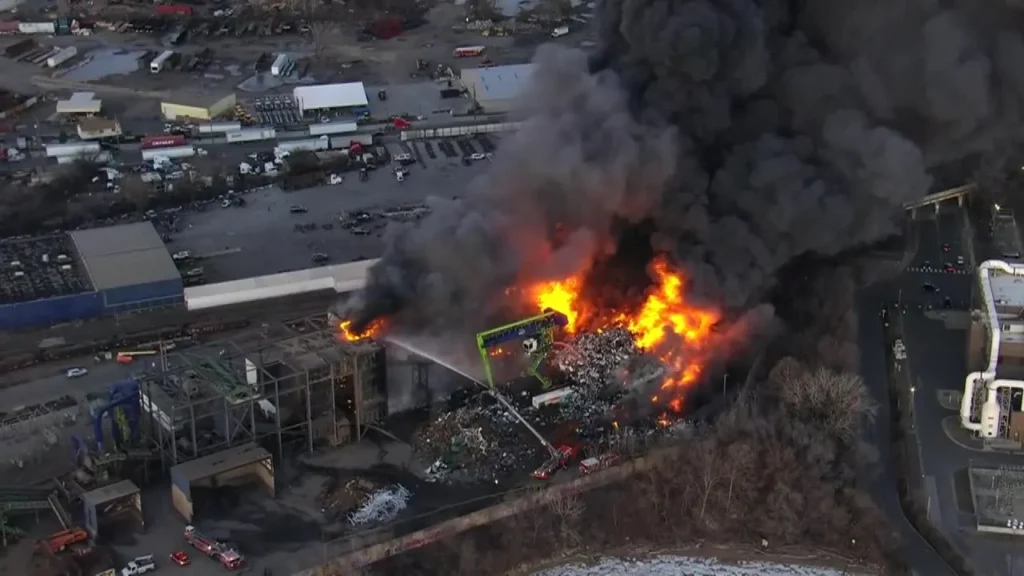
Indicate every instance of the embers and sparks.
{"type": "Point", "coordinates": [664, 325]}
{"type": "Point", "coordinates": [349, 335]}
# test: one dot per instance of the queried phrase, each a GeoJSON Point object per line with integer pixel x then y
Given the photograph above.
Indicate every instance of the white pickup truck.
{"type": "Point", "coordinates": [140, 565]}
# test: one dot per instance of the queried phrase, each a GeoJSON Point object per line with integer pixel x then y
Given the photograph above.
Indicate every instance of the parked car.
{"type": "Point", "coordinates": [77, 372]}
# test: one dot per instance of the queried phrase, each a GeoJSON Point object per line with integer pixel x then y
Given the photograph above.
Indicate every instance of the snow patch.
{"type": "Point", "coordinates": [684, 566]}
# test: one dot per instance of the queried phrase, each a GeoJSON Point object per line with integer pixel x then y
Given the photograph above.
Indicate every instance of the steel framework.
{"type": "Point", "coordinates": [288, 382]}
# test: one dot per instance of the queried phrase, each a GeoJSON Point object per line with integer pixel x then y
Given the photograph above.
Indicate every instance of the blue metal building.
{"type": "Point", "coordinates": [130, 267]}
{"type": "Point", "coordinates": [85, 274]}
{"type": "Point", "coordinates": [42, 282]}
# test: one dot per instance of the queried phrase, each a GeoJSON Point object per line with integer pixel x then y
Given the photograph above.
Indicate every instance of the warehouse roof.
{"type": "Point", "coordinates": [197, 98]}
{"type": "Point", "coordinates": [341, 278]}
{"type": "Point", "coordinates": [324, 96]}
{"type": "Point", "coordinates": [126, 255]}
{"type": "Point", "coordinates": [497, 82]}
{"type": "Point", "coordinates": [80, 103]}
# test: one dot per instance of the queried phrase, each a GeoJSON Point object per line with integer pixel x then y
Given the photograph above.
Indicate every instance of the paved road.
{"type": "Point", "coordinates": [936, 341]}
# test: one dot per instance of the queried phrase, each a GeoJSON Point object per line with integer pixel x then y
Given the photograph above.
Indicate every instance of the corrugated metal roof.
{"type": "Point", "coordinates": [497, 82]}
{"type": "Point", "coordinates": [110, 492]}
{"type": "Point", "coordinates": [220, 462]}
{"type": "Point", "coordinates": [331, 96]}
{"type": "Point", "coordinates": [340, 278]}
{"type": "Point", "coordinates": [126, 255]}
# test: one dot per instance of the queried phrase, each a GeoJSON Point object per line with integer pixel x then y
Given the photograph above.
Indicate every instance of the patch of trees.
{"type": "Point", "coordinates": [777, 469]}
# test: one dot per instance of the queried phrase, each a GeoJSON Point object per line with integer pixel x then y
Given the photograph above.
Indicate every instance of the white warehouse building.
{"type": "Point", "coordinates": [497, 89]}
{"type": "Point", "coordinates": [993, 390]}
{"type": "Point", "coordinates": [331, 97]}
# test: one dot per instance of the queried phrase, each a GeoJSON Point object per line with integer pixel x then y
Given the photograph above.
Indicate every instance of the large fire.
{"type": "Point", "coordinates": [348, 334]}
{"type": "Point", "coordinates": [664, 324]}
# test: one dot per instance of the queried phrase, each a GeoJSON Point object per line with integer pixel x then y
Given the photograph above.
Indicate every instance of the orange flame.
{"type": "Point", "coordinates": [350, 335]}
{"type": "Point", "coordinates": [665, 325]}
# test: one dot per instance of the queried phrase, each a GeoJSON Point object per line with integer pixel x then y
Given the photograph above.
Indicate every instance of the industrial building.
{"type": "Point", "coordinates": [196, 105]}
{"type": "Point", "coordinates": [85, 274]}
{"type": "Point", "coordinates": [229, 467]}
{"type": "Point", "coordinates": [497, 89]}
{"type": "Point", "coordinates": [293, 383]}
{"type": "Point", "coordinates": [96, 128]}
{"type": "Point", "coordinates": [991, 402]}
{"type": "Point", "coordinates": [84, 103]}
{"type": "Point", "coordinates": [349, 97]}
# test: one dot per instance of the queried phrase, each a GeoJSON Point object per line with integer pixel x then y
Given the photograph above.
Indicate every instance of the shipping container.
{"type": "Point", "coordinates": [321, 143]}
{"type": "Point", "coordinates": [333, 128]}
{"type": "Point", "coordinates": [171, 152]}
{"type": "Point", "coordinates": [62, 57]}
{"type": "Point", "coordinates": [343, 142]}
{"type": "Point", "coordinates": [37, 28]}
{"type": "Point", "coordinates": [96, 157]}
{"type": "Point", "coordinates": [162, 141]}
{"type": "Point", "coordinates": [469, 51]}
{"type": "Point", "coordinates": [72, 149]}
{"type": "Point", "coordinates": [219, 127]}
{"type": "Point", "coordinates": [158, 63]}
{"type": "Point", "coordinates": [280, 65]}
{"type": "Point", "coordinates": [251, 135]}
{"type": "Point", "coordinates": [173, 10]}
{"type": "Point", "coordinates": [9, 27]}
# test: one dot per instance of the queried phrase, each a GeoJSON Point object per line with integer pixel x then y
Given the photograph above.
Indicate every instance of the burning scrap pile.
{"type": "Point", "coordinates": [474, 443]}
{"type": "Point", "coordinates": [591, 359]}
{"type": "Point", "coordinates": [381, 506]}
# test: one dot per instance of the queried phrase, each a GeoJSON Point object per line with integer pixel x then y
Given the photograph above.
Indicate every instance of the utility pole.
{"type": "Point", "coordinates": [725, 381]}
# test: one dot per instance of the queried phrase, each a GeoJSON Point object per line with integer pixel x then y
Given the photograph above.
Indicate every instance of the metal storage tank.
{"type": "Point", "coordinates": [50, 311]}
{"type": "Point", "coordinates": [130, 267]}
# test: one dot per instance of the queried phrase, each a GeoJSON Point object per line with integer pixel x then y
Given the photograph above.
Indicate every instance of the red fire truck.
{"type": "Point", "coordinates": [227, 556]}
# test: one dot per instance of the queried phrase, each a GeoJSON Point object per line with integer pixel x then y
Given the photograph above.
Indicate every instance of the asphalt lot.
{"type": "Point", "coordinates": [261, 237]}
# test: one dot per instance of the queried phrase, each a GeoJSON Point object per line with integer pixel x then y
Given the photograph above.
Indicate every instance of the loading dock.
{"type": "Point", "coordinates": [112, 507]}
{"type": "Point", "coordinates": [234, 466]}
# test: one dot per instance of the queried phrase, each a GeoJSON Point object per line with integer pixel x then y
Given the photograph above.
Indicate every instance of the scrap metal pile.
{"type": "Point", "coordinates": [477, 442]}
{"type": "Point", "coordinates": [381, 506]}
{"type": "Point", "coordinates": [592, 359]}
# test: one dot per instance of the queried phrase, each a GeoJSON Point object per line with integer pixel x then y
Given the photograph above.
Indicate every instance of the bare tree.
{"type": "Point", "coordinates": [568, 509]}
{"type": "Point", "coordinates": [322, 33]}
{"type": "Point", "coordinates": [705, 459]}
{"type": "Point", "coordinates": [835, 400]}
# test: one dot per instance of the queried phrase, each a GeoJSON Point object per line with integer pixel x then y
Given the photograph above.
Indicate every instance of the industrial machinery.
{"type": "Point", "coordinates": [59, 541]}
{"type": "Point", "coordinates": [122, 405]}
{"type": "Point", "coordinates": [536, 335]}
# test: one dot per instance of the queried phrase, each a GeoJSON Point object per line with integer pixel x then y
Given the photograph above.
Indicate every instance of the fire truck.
{"type": "Point", "coordinates": [227, 556]}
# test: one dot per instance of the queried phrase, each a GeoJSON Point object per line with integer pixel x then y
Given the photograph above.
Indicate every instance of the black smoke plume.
{"type": "Point", "coordinates": [745, 133]}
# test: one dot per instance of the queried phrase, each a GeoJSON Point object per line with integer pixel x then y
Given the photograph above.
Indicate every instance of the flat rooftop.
{"type": "Point", "coordinates": [221, 462]}
{"type": "Point", "coordinates": [197, 98]}
{"type": "Point", "coordinates": [126, 255]}
{"type": "Point", "coordinates": [39, 268]}
{"type": "Point", "coordinates": [110, 492]}
{"type": "Point", "coordinates": [497, 82]}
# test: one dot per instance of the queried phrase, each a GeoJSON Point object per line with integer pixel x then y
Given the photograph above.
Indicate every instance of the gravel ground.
{"type": "Point", "coordinates": [684, 566]}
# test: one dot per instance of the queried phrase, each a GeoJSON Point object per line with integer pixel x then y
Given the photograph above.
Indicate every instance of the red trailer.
{"type": "Point", "coordinates": [162, 141]}
{"type": "Point", "coordinates": [386, 28]}
{"type": "Point", "coordinates": [173, 10]}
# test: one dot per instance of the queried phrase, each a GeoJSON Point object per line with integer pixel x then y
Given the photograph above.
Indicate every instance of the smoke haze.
{"type": "Point", "coordinates": [747, 133]}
